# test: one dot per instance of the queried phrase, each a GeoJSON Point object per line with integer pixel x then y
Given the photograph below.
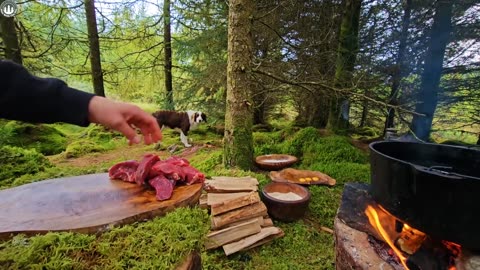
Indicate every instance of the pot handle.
{"type": "Point", "coordinates": [441, 171]}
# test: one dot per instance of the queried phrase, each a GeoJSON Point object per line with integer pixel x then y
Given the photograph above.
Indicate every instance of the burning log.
{"type": "Point", "coordinates": [366, 232]}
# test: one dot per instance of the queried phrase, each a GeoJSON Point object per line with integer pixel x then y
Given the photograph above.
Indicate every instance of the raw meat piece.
{"type": "Point", "coordinates": [144, 168]}
{"type": "Point", "coordinates": [163, 187]}
{"type": "Point", "coordinates": [124, 171]}
{"type": "Point", "coordinates": [178, 161]}
{"type": "Point", "coordinates": [163, 168]}
{"type": "Point", "coordinates": [193, 175]}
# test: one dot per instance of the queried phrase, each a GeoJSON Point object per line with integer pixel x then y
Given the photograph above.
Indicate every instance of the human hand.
{"type": "Point", "coordinates": [124, 118]}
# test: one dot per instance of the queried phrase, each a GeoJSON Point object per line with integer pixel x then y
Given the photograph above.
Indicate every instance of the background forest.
{"type": "Point", "coordinates": [295, 48]}
{"type": "Point", "coordinates": [321, 79]}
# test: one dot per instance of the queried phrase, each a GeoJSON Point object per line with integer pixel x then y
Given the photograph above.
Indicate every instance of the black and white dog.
{"type": "Point", "coordinates": [183, 121]}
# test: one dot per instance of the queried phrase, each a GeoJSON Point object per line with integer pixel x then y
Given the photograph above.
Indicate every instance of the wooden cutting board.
{"type": "Point", "coordinates": [87, 203]}
{"type": "Point", "coordinates": [302, 177]}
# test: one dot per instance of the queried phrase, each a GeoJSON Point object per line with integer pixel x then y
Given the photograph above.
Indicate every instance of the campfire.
{"type": "Point", "coordinates": [412, 248]}
{"type": "Point", "coordinates": [420, 210]}
{"type": "Point", "coordinates": [394, 242]}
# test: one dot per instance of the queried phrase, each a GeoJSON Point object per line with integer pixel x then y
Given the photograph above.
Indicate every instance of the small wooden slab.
{"type": "Point", "coordinates": [233, 185]}
{"type": "Point", "coordinates": [252, 240]}
{"type": "Point", "coordinates": [302, 177]}
{"type": "Point", "coordinates": [214, 198]}
{"type": "Point", "coordinates": [235, 203]}
{"type": "Point", "coordinates": [87, 203]}
{"type": "Point", "coordinates": [219, 238]}
{"type": "Point", "coordinates": [247, 212]}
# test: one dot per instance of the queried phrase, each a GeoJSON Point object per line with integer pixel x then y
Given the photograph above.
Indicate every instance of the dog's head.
{"type": "Point", "coordinates": [197, 117]}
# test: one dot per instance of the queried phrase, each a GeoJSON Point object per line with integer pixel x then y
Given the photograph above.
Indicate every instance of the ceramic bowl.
{"type": "Point", "coordinates": [285, 201]}
{"type": "Point", "coordinates": [275, 162]}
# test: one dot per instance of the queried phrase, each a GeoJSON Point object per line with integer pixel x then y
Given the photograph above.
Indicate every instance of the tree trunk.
{"type": "Point", "coordinates": [478, 141]}
{"type": "Point", "coordinates": [363, 120]}
{"type": "Point", "coordinates": [238, 142]}
{"type": "Point", "coordinates": [94, 46]}
{"type": "Point", "coordinates": [400, 70]}
{"type": "Point", "coordinates": [428, 94]}
{"type": "Point", "coordinates": [9, 36]}
{"type": "Point", "coordinates": [346, 54]}
{"type": "Point", "coordinates": [167, 39]}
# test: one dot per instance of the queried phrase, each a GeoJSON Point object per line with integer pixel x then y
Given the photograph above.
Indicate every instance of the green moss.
{"type": "Point", "coordinates": [206, 160]}
{"type": "Point", "coordinates": [368, 132]}
{"type": "Point", "coordinates": [332, 149]}
{"type": "Point", "coordinates": [82, 147]}
{"type": "Point", "coordinates": [158, 244]}
{"type": "Point", "coordinates": [294, 145]}
{"type": "Point", "coordinates": [15, 161]}
{"type": "Point", "coordinates": [162, 242]}
{"type": "Point", "coordinates": [50, 251]}
{"type": "Point", "coordinates": [43, 138]}
{"type": "Point", "coordinates": [238, 148]}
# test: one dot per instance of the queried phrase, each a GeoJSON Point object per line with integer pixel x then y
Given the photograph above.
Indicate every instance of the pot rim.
{"type": "Point", "coordinates": [421, 168]}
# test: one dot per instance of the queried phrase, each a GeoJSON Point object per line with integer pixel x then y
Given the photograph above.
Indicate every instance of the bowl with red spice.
{"type": "Point", "coordinates": [285, 201]}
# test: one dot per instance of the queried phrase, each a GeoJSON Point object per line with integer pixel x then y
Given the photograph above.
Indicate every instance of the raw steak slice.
{"type": "Point", "coordinates": [163, 187]}
{"type": "Point", "coordinates": [193, 175]}
{"type": "Point", "coordinates": [167, 169]}
{"type": "Point", "coordinates": [178, 161]}
{"type": "Point", "coordinates": [124, 171]}
{"type": "Point", "coordinates": [144, 168]}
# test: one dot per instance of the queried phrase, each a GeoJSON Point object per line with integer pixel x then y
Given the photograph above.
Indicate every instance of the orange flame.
{"type": "Point", "coordinates": [375, 221]}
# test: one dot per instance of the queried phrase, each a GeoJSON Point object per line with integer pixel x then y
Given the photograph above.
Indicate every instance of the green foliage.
{"type": "Point", "coordinates": [43, 138]}
{"type": "Point", "coordinates": [158, 244]}
{"type": "Point", "coordinates": [16, 161]}
{"type": "Point", "coordinates": [304, 137]}
{"type": "Point", "coordinates": [93, 139]}
{"type": "Point", "coordinates": [50, 251]}
{"type": "Point", "coordinates": [368, 132]}
{"type": "Point", "coordinates": [295, 251]}
{"type": "Point", "coordinates": [207, 160]}
{"type": "Point", "coordinates": [82, 147]}
{"type": "Point", "coordinates": [333, 149]}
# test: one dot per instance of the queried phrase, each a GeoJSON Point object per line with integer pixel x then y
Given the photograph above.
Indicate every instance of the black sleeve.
{"type": "Point", "coordinates": [28, 98]}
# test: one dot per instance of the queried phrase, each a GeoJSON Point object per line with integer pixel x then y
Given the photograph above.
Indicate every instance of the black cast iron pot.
{"type": "Point", "coordinates": [433, 188]}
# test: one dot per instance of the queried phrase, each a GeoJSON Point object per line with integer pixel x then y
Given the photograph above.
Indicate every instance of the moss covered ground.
{"type": "Point", "coordinates": [163, 242]}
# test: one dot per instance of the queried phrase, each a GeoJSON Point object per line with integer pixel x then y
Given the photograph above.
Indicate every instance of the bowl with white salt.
{"type": "Point", "coordinates": [285, 201]}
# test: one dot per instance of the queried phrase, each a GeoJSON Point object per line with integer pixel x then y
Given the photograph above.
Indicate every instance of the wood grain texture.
{"type": "Point", "coordinates": [247, 212]}
{"type": "Point", "coordinates": [219, 238]}
{"type": "Point", "coordinates": [231, 184]}
{"type": "Point", "coordinates": [251, 240]}
{"type": "Point", "coordinates": [235, 203]}
{"type": "Point", "coordinates": [87, 203]}
{"type": "Point", "coordinates": [214, 198]}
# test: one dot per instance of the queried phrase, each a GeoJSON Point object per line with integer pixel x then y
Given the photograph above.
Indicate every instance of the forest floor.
{"type": "Point", "coordinates": [306, 245]}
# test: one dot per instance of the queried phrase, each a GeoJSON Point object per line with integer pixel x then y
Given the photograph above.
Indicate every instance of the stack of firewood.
{"type": "Point", "coordinates": [239, 218]}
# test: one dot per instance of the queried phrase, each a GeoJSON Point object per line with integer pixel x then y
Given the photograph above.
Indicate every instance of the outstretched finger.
{"type": "Point", "coordinates": [128, 132]}
{"type": "Point", "coordinates": [150, 130]}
